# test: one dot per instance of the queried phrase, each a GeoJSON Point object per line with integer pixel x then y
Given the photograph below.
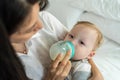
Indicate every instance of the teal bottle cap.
{"type": "Point", "coordinates": [72, 47]}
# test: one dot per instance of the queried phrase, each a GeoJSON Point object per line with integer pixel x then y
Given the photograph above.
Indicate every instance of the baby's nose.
{"type": "Point", "coordinates": [74, 42]}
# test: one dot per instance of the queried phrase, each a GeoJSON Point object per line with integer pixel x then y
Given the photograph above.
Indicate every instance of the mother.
{"type": "Point", "coordinates": [22, 20]}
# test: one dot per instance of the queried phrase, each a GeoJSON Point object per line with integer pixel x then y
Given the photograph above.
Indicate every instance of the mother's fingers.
{"type": "Point", "coordinates": [63, 63]}
{"type": "Point", "coordinates": [59, 58]}
{"type": "Point", "coordinates": [66, 58]}
{"type": "Point", "coordinates": [60, 69]}
{"type": "Point", "coordinates": [56, 62]}
{"type": "Point", "coordinates": [66, 69]}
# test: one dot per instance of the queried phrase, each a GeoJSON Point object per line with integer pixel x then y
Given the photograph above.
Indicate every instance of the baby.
{"type": "Point", "coordinates": [86, 38]}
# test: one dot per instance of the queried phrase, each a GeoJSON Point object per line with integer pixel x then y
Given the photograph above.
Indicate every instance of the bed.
{"type": "Point", "coordinates": [106, 15]}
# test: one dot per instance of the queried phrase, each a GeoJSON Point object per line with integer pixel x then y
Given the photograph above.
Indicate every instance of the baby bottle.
{"type": "Point", "coordinates": [61, 47]}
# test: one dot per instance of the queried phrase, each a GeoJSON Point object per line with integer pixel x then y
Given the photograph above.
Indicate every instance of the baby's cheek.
{"type": "Point", "coordinates": [80, 54]}
{"type": "Point", "coordinates": [77, 56]}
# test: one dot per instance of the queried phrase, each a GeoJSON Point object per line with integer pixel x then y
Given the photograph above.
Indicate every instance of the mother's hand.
{"type": "Point", "coordinates": [59, 69]}
{"type": "Point", "coordinates": [96, 74]}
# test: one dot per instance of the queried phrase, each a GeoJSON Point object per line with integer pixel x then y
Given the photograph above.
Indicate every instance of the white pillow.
{"type": "Point", "coordinates": [106, 8]}
{"type": "Point", "coordinates": [64, 12]}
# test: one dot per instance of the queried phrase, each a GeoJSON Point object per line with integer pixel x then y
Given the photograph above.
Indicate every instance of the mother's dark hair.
{"type": "Point", "coordinates": [13, 12]}
{"type": "Point", "coordinates": [10, 65]}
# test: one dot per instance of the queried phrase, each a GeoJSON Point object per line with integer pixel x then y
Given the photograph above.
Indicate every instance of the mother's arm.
{"type": "Point", "coordinates": [96, 74]}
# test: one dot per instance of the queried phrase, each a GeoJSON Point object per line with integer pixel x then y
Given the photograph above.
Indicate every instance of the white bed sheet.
{"type": "Point", "coordinates": [107, 59]}
{"type": "Point", "coordinates": [64, 12]}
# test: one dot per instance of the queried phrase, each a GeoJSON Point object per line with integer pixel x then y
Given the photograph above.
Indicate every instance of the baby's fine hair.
{"type": "Point", "coordinates": [94, 27]}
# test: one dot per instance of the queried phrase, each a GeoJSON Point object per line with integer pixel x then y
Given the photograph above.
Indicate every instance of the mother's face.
{"type": "Point", "coordinates": [29, 26]}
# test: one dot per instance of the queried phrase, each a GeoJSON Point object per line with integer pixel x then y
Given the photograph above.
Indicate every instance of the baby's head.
{"type": "Point", "coordinates": [86, 38]}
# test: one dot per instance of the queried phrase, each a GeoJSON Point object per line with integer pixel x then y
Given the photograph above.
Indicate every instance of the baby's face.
{"type": "Point", "coordinates": [84, 40]}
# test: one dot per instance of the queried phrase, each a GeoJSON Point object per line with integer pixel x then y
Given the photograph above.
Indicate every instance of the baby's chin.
{"type": "Point", "coordinates": [74, 58]}
{"type": "Point", "coordinates": [78, 58]}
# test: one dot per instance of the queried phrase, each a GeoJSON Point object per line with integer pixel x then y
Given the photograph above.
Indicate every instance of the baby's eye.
{"type": "Point", "coordinates": [71, 36]}
{"type": "Point", "coordinates": [81, 42]}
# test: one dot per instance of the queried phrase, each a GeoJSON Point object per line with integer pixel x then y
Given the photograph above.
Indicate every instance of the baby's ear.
{"type": "Point", "coordinates": [91, 55]}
